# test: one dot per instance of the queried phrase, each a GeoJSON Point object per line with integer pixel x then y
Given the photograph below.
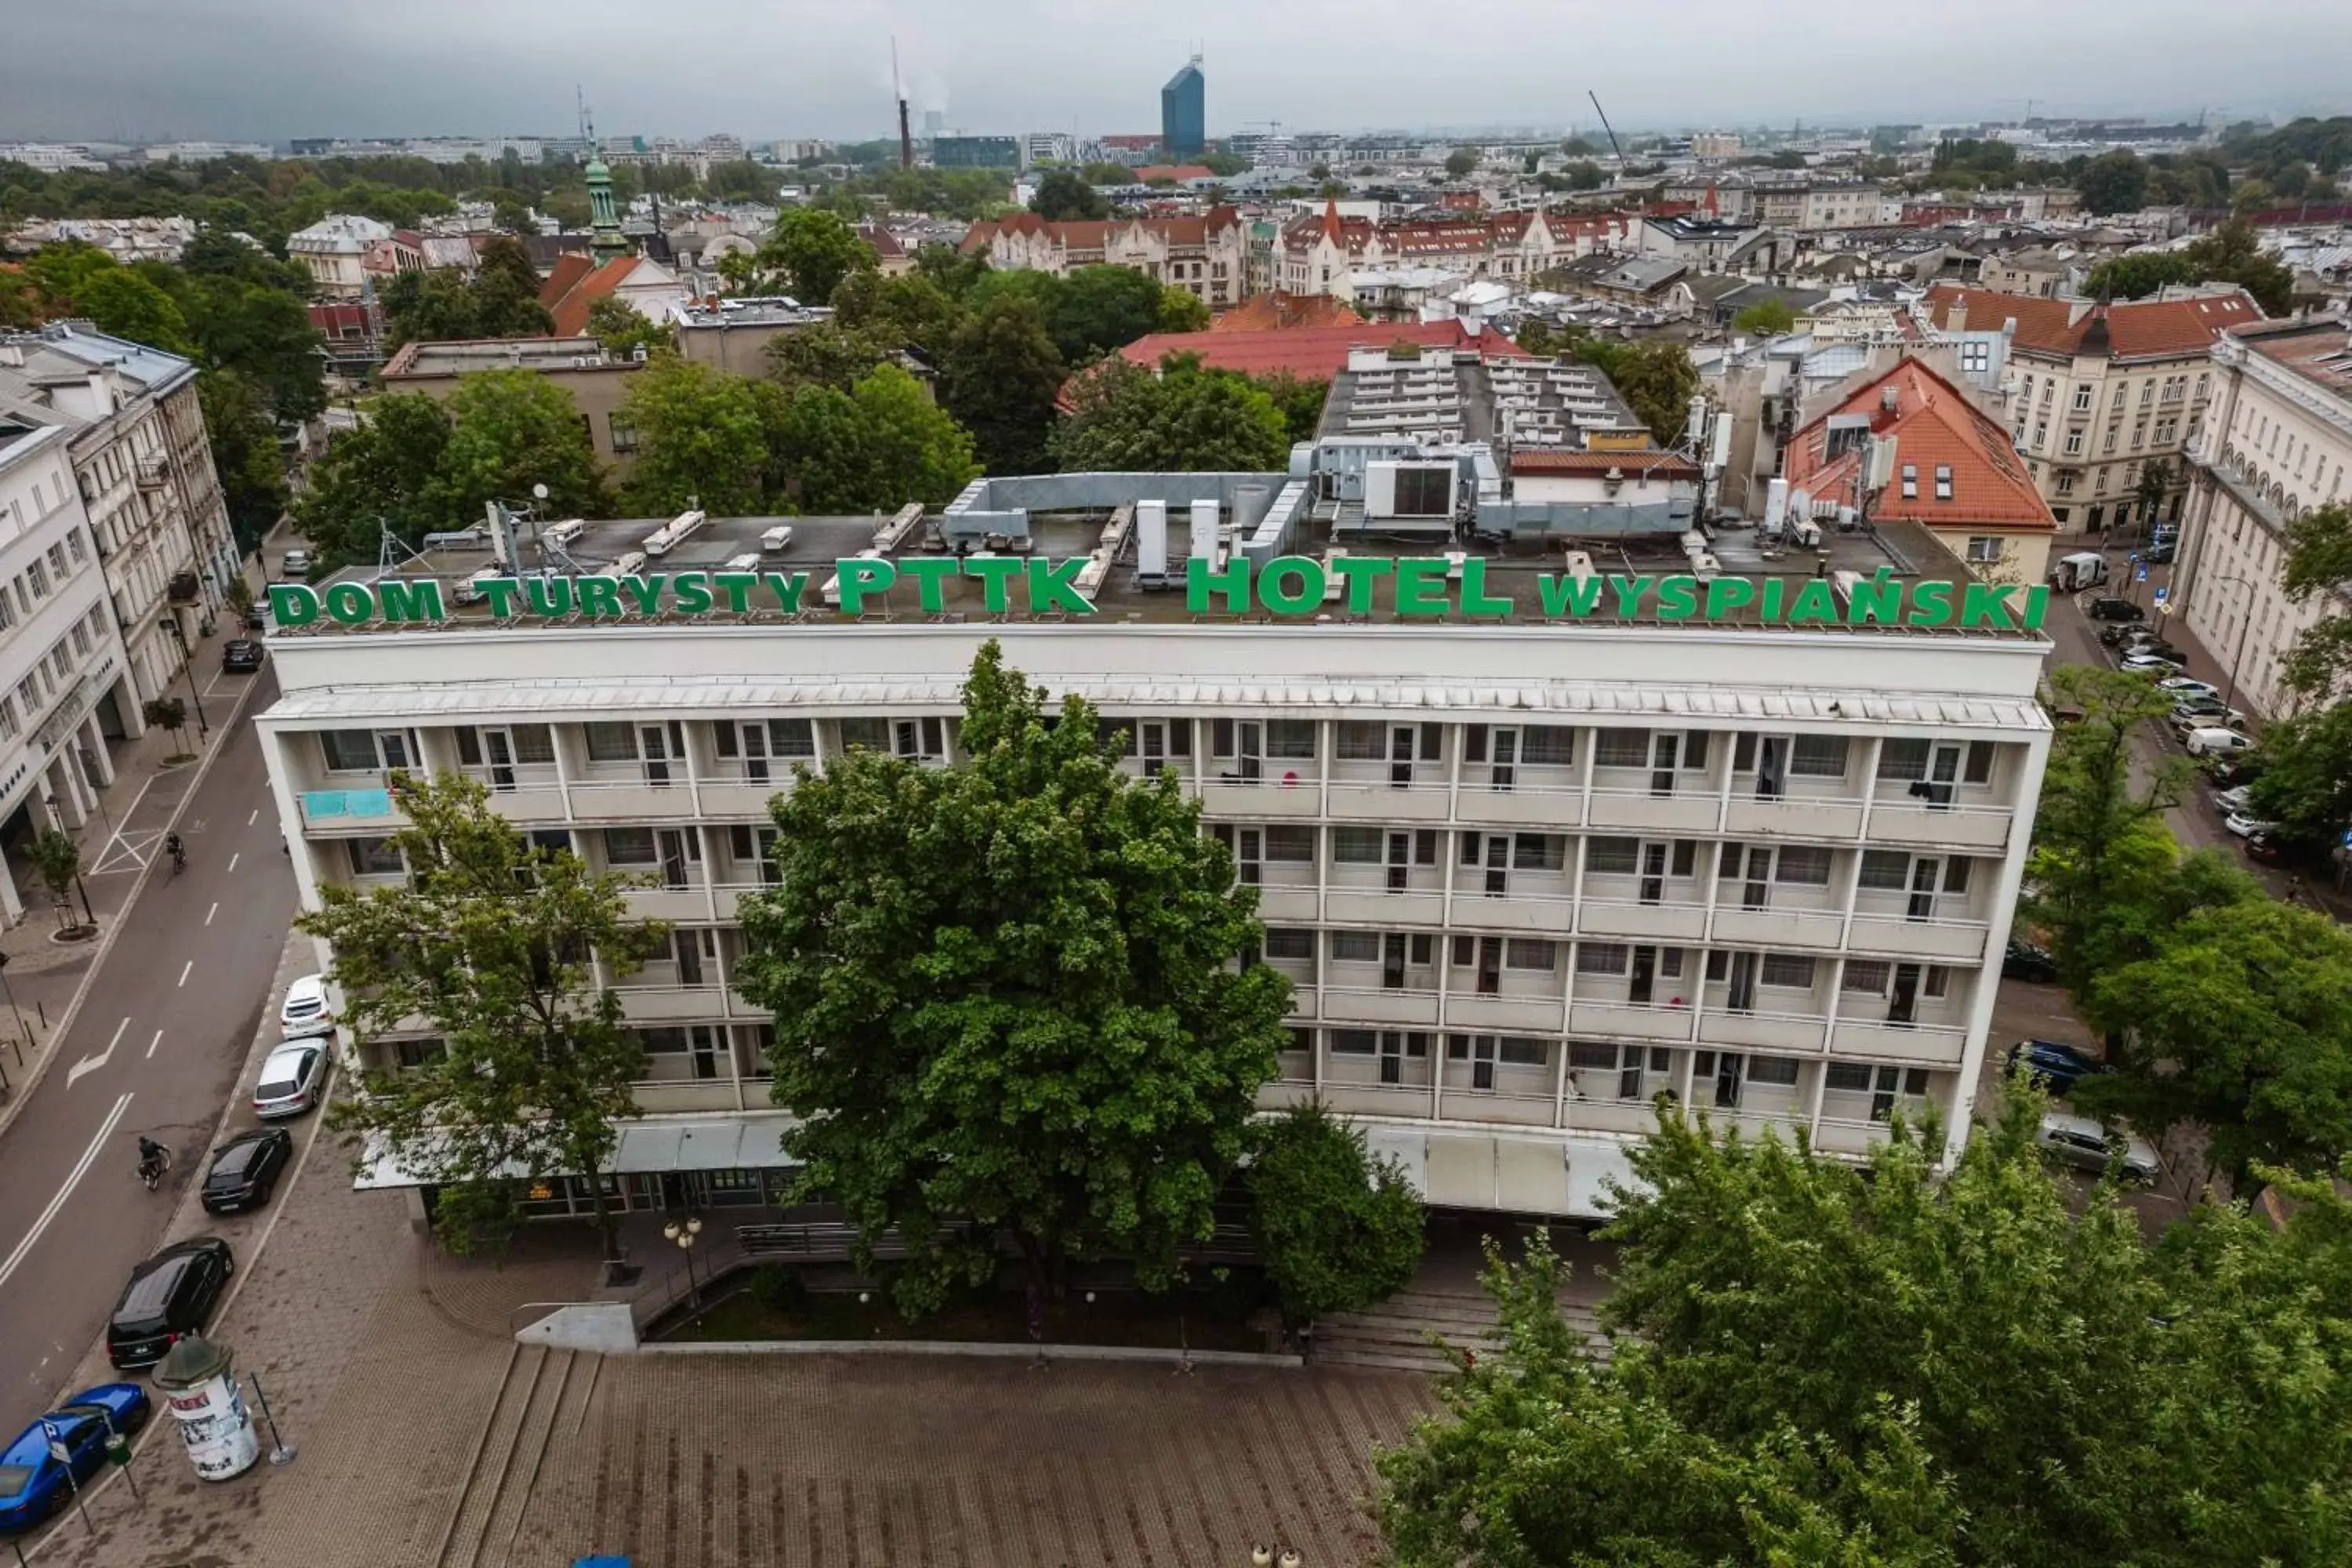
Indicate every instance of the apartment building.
{"type": "Point", "coordinates": [135, 434]}
{"type": "Point", "coordinates": [60, 654]}
{"type": "Point", "coordinates": [2095, 391]}
{"type": "Point", "coordinates": [1207, 256]}
{"type": "Point", "coordinates": [1316, 254]}
{"type": "Point", "coordinates": [598, 385]}
{"type": "Point", "coordinates": [2276, 444]}
{"type": "Point", "coordinates": [334, 251]}
{"type": "Point", "coordinates": [1526, 869]}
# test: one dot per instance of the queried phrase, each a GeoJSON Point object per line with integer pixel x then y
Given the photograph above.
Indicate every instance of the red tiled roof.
{"type": "Point", "coordinates": [564, 275]}
{"type": "Point", "coordinates": [1312, 354]}
{"type": "Point", "coordinates": [571, 308]}
{"type": "Point", "coordinates": [1177, 172]}
{"type": "Point", "coordinates": [1933, 426]}
{"type": "Point", "coordinates": [1268, 312]}
{"type": "Point", "coordinates": [1667, 465]}
{"type": "Point", "coordinates": [2137, 329]}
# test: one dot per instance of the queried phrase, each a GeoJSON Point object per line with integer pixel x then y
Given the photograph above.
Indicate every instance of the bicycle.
{"type": "Point", "coordinates": [178, 851]}
{"type": "Point", "coordinates": [154, 1164]}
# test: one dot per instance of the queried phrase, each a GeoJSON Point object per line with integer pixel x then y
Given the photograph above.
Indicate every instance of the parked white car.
{"type": "Point", "coordinates": [2183, 688]}
{"type": "Point", "coordinates": [2215, 741]}
{"type": "Point", "coordinates": [2247, 825]}
{"type": "Point", "coordinates": [2233, 799]}
{"type": "Point", "coordinates": [304, 1014]}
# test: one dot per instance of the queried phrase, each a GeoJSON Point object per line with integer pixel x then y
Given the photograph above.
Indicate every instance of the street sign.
{"type": "Point", "coordinates": [57, 1449]}
{"type": "Point", "coordinates": [2139, 572]}
{"type": "Point", "coordinates": [2133, 558]}
{"type": "Point", "coordinates": [2163, 601]}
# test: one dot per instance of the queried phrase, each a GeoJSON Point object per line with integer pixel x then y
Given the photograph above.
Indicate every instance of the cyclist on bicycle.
{"type": "Point", "coordinates": [173, 847]}
{"type": "Point", "coordinates": [152, 1156]}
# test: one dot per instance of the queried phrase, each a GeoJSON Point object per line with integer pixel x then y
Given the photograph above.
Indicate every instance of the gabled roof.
{"type": "Point", "coordinates": [1091, 234]}
{"type": "Point", "coordinates": [2138, 329]}
{"type": "Point", "coordinates": [1934, 426]}
{"type": "Point", "coordinates": [570, 309]}
{"type": "Point", "coordinates": [1313, 354]}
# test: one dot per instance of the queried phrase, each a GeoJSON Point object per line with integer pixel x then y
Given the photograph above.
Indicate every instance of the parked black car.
{"type": "Point", "coordinates": [245, 1169]}
{"type": "Point", "coordinates": [2057, 1067]}
{"type": "Point", "coordinates": [2227, 772]}
{"type": "Point", "coordinates": [2112, 609]}
{"type": "Point", "coordinates": [2028, 961]}
{"type": "Point", "coordinates": [241, 656]}
{"type": "Point", "coordinates": [170, 1295]}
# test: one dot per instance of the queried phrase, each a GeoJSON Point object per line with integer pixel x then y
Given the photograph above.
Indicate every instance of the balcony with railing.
{"type": "Point", "coordinates": [1368, 791]}
{"type": "Point", "coordinates": [1374, 1004]}
{"type": "Point", "coordinates": [1928, 1043]}
{"type": "Point", "coordinates": [1797, 809]}
{"type": "Point", "coordinates": [1245, 787]}
{"type": "Point", "coordinates": [1762, 1029]}
{"type": "Point", "coordinates": [1649, 909]}
{"type": "Point", "coordinates": [1791, 914]}
{"type": "Point", "coordinates": [1689, 807]}
{"type": "Point", "coordinates": [1504, 1105]}
{"type": "Point", "coordinates": [633, 796]}
{"type": "Point", "coordinates": [1899, 818]}
{"type": "Point", "coordinates": [1379, 894]}
{"type": "Point", "coordinates": [735, 792]}
{"type": "Point", "coordinates": [1901, 934]}
{"type": "Point", "coordinates": [1622, 1018]}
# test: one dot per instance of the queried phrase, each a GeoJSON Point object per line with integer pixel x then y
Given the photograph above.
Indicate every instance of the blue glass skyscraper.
{"type": "Point", "coordinates": [1183, 113]}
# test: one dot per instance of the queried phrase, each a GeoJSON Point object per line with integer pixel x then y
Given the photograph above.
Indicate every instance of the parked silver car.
{"type": "Point", "coordinates": [2082, 1143]}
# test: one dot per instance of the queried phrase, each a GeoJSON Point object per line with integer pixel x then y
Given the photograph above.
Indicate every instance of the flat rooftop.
{"type": "Point", "coordinates": [464, 356]}
{"type": "Point", "coordinates": [1519, 571]}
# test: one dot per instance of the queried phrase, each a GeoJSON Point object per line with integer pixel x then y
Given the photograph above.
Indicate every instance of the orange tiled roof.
{"type": "Point", "coordinates": [1312, 354]}
{"type": "Point", "coordinates": [571, 308]}
{"type": "Point", "coordinates": [2137, 329]}
{"type": "Point", "coordinates": [1933, 426]}
{"type": "Point", "coordinates": [565, 275]}
{"type": "Point", "coordinates": [1266, 312]}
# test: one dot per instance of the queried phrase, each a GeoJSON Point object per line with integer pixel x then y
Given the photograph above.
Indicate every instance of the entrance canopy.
{"type": "Point", "coordinates": [650, 1145]}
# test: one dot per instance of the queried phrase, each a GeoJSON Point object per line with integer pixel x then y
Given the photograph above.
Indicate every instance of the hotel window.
{"type": "Point", "coordinates": [1539, 851]}
{"type": "Point", "coordinates": [1361, 741]}
{"type": "Point", "coordinates": [1520, 1052]}
{"type": "Point", "coordinates": [874, 735]}
{"type": "Point", "coordinates": [1359, 845]}
{"type": "Point", "coordinates": [1290, 941]}
{"type": "Point", "coordinates": [1978, 767]}
{"type": "Point", "coordinates": [1805, 864]}
{"type": "Point", "coordinates": [1779, 1070]}
{"type": "Point", "coordinates": [1290, 738]}
{"type": "Point", "coordinates": [1612, 857]}
{"type": "Point", "coordinates": [1622, 749]}
{"type": "Point", "coordinates": [755, 845]}
{"type": "Point", "coordinates": [1603, 958]}
{"type": "Point", "coordinates": [1530, 952]}
{"type": "Point", "coordinates": [2083, 398]}
{"type": "Point", "coordinates": [629, 846]}
{"type": "Point", "coordinates": [1867, 975]}
{"type": "Point", "coordinates": [1910, 482]}
{"type": "Point", "coordinates": [1355, 947]}
{"type": "Point", "coordinates": [348, 751]}
{"type": "Point", "coordinates": [1984, 549]}
{"type": "Point", "coordinates": [1290, 844]}
{"type": "Point", "coordinates": [1548, 745]}
{"type": "Point", "coordinates": [1817, 757]}
{"type": "Point", "coordinates": [611, 742]}
{"type": "Point", "coordinates": [2074, 445]}
{"type": "Point", "coordinates": [1886, 870]}
{"type": "Point", "coordinates": [1353, 1042]}
{"type": "Point", "coordinates": [1901, 759]}
{"type": "Point", "coordinates": [1788, 971]}
{"type": "Point", "coordinates": [374, 857]}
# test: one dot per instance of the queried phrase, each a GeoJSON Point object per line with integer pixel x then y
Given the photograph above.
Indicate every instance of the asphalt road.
{"type": "Point", "coordinates": [157, 1048]}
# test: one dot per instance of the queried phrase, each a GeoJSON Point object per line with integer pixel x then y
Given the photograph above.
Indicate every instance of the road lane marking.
{"type": "Point", "coordinates": [184, 970]}
{"type": "Point", "coordinates": [91, 1063]}
{"type": "Point", "coordinates": [210, 913]}
{"type": "Point", "coordinates": [58, 1199]}
{"type": "Point", "coordinates": [232, 862]}
{"type": "Point", "coordinates": [255, 817]}
{"type": "Point", "coordinates": [154, 1043]}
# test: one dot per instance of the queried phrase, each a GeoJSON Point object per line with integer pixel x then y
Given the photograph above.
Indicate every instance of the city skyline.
{"type": "Point", "coordinates": [457, 72]}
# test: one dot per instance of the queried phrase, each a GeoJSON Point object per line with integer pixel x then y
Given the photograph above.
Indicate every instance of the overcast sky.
{"type": "Point", "coordinates": [270, 70]}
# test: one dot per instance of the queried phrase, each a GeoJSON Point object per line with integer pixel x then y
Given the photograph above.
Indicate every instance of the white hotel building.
{"type": "Point", "coordinates": [1524, 876]}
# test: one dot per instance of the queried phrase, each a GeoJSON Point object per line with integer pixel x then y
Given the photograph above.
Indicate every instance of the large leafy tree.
{"type": "Point", "coordinates": [2318, 562]}
{"type": "Point", "coordinates": [2112, 182]}
{"type": "Point", "coordinates": [1815, 1363]}
{"type": "Point", "coordinates": [244, 436]}
{"type": "Point", "coordinates": [1063, 194]}
{"type": "Point", "coordinates": [702, 440]}
{"type": "Point", "coordinates": [385, 472]}
{"type": "Point", "coordinates": [623, 331]}
{"type": "Point", "coordinates": [124, 303]}
{"type": "Point", "coordinates": [1657, 380]}
{"type": "Point", "coordinates": [1094, 310]}
{"type": "Point", "coordinates": [1180, 417]}
{"type": "Point", "coordinates": [1001, 377]}
{"type": "Point", "coordinates": [491, 942]}
{"type": "Point", "coordinates": [1006, 997]}
{"type": "Point", "coordinates": [879, 445]}
{"type": "Point", "coordinates": [1337, 1229]}
{"type": "Point", "coordinates": [511, 429]}
{"type": "Point", "coordinates": [2102, 855]}
{"type": "Point", "coordinates": [813, 250]}
{"type": "Point", "coordinates": [2239, 1021]}
{"type": "Point", "coordinates": [2306, 785]}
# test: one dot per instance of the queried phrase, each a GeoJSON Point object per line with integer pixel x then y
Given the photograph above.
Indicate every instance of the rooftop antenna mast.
{"type": "Point", "coordinates": [580, 109]}
{"type": "Point", "coordinates": [1613, 147]}
{"type": "Point", "coordinates": [898, 89]}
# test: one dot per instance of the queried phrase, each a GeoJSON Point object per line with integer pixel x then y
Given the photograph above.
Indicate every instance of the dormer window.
{"type": "Point", "coordinates": [1943, 481]}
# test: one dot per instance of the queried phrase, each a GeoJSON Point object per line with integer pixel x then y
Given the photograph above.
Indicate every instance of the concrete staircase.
{"type": "Point", "coordinates": [1396, 1333]}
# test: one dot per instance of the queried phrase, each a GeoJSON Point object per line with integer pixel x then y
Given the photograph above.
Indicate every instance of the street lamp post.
{"type": "Point", "coordinates": [188, 669]}
{"type": "Point", "coordinates": [2230, 686]}
{"type": "Point", "coordinates": [686, 1233]}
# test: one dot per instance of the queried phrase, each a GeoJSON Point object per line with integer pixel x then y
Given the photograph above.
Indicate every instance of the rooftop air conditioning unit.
{"type": "Point", "coordinates": [663, 540]}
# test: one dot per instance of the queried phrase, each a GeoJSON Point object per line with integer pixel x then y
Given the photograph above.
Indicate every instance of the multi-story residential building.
{"type": "Point", "coordinates": [1316, 252]}
{"type": "Point", "coordinates": [1525, 871]}
{"type": "Point", "coordinates": [1954, 472]}
{"type": "Point", "coordinates": [127, 239]}
{"type": "Point", "coordinates": [2277, 442]}
{"type": "Point", "coordinates": [2098, 391]}
{"type": "Point", "coordinates": [135, 434]}
{"type": "Point", "coordinates": [334, 252]}
{"type": "Point", "coordinates": [598, 384]}
{"type": "Point", "coordinates": [63, 690]}
{"type": "Point", "coordinates": [1808, 205]}
{"type": "Point", "coordinates": [1207, 256]}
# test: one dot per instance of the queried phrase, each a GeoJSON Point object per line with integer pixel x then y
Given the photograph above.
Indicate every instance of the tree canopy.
{"type": "Point", "coordinates": [879, 445]}
{"type": "Point", "coordinates": [1181, 417]}
{"type": "Point", "coordinates": [1816, 1363]}
{"type": "Point", "coordinates": [812, 251]}
{"type": "Point", "coordinates": [702, 439]}
{"type": "Point", "coordinates": [1337, 1230]}
{"type": "Point", "coordinates": [1656, 379]}
{"type": "Point", "coordinates": [623, 331]}
{"type": "Point", "coordinates": [2229, 253]}
{"type": "Point", "coordinates": [1064, 194]}
{"type": "Point", "coordinates": [1002, 374]}
{"type": "Point", "coordinates": [490, 941]}
{"type": "Point", "coordinates": [1006, 997]}
{"type": "Point", "coordinates": [1766, 318]}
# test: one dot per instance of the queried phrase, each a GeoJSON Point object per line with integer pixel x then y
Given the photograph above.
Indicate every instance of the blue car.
{"type": "Point", "coordinates": [2056, 1068]}
{"type": "Point", "coordinates": [33, 1485]}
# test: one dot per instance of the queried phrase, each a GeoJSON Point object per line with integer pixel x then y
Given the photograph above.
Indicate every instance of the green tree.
{"type": "Point", "coordinates": [2240, 1022]}
{"type": "Point", "coordinates": [57, 860]}
{"type": "Point", "coordinates": [2101, 855]}
{"type": "Point", "coordinates": [1181, 310]}
{"type": "Point", "coordinates": [511, 430]}
{"type": "Point", "coordinates": [702, 440]}
{"type": "Point", "coordinates": [1093, 311]}
{"type": "Point", "coordinates": [167, 713]}
{"type": "Point", "coordinates": [1127, 419]}
{"type": "Point", "coordinates": [1656, 380]}
{"type": "Point", "coordinates": [121, 303]}
{"type": "Point", "coordinates": [2232, 253]}
{"type": "Point", "coordinates": [385, 472]}
{"type": "Point", "coordinates": [244, 437]}
{"type": "Point", "coordinates": [623, 331]}
{"type": "Point", "coordinates": [2318, 561]}
{"type": "Point", "coordinates": [1225, 166]}
{"type": "Point", "coordinates": [2112, 182]}
{"type": "Point", "coordinates": [2137, 274]}
{"type": "Point", "coordinates": [1063, 194]}
{"type": "Point", "coordinates": [825, 355]}
{"type": "Point", "coordinates": [1006, 997]}
{"type": "Point", "coordinates": [2154, 485]}
{"type": "Point", "coordinates": [1300, 400]}
{"type": "Point", "coordinates": [491, 942]}
{"type": "Point", "coordinates": [1765, 319]}
{"type": "Point", "coordinates": [1337, 1230]}
{"type": "Point", "coordinates": [1461, 161]}
{"type": "Point", "coordinates": [1954, 1370]}
{"type": "Point", "coordinates": [813, 251]}
{"type": "Point", "coordinates": [2305, 783]}
{"type": "Point", "coordinates": [2253, 196]}
{"type": "Point", "coordinates": [1001, 377]}
{"type": "Point", "coordinates": [912, 311]}
{"type": "Point", "coordinates": [880, 445]}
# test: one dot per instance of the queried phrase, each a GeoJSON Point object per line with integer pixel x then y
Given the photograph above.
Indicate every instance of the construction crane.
{"type": "Point", "coordinates": [1604, 125]}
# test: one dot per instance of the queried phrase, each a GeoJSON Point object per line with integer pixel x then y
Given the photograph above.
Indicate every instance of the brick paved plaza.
{"type": "Point", "coordinates": [423, 1430]}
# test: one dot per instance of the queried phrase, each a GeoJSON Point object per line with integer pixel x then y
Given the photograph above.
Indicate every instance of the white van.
{"type": "Point", "coordinates": [2072, 574]}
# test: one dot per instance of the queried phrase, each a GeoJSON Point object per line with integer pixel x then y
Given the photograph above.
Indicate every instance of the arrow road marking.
{"type": "Point", "coordinates": [91, 1063]}
{"type": "Point", "coordinates": [58, 1199]}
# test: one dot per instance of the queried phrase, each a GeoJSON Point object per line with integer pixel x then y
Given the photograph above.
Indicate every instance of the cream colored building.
{"type": "Point", "coordinates": [2277, 444]}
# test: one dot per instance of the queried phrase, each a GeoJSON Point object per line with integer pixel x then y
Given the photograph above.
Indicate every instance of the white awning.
{"type": "Point", "coordinates": [649, 1145]}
